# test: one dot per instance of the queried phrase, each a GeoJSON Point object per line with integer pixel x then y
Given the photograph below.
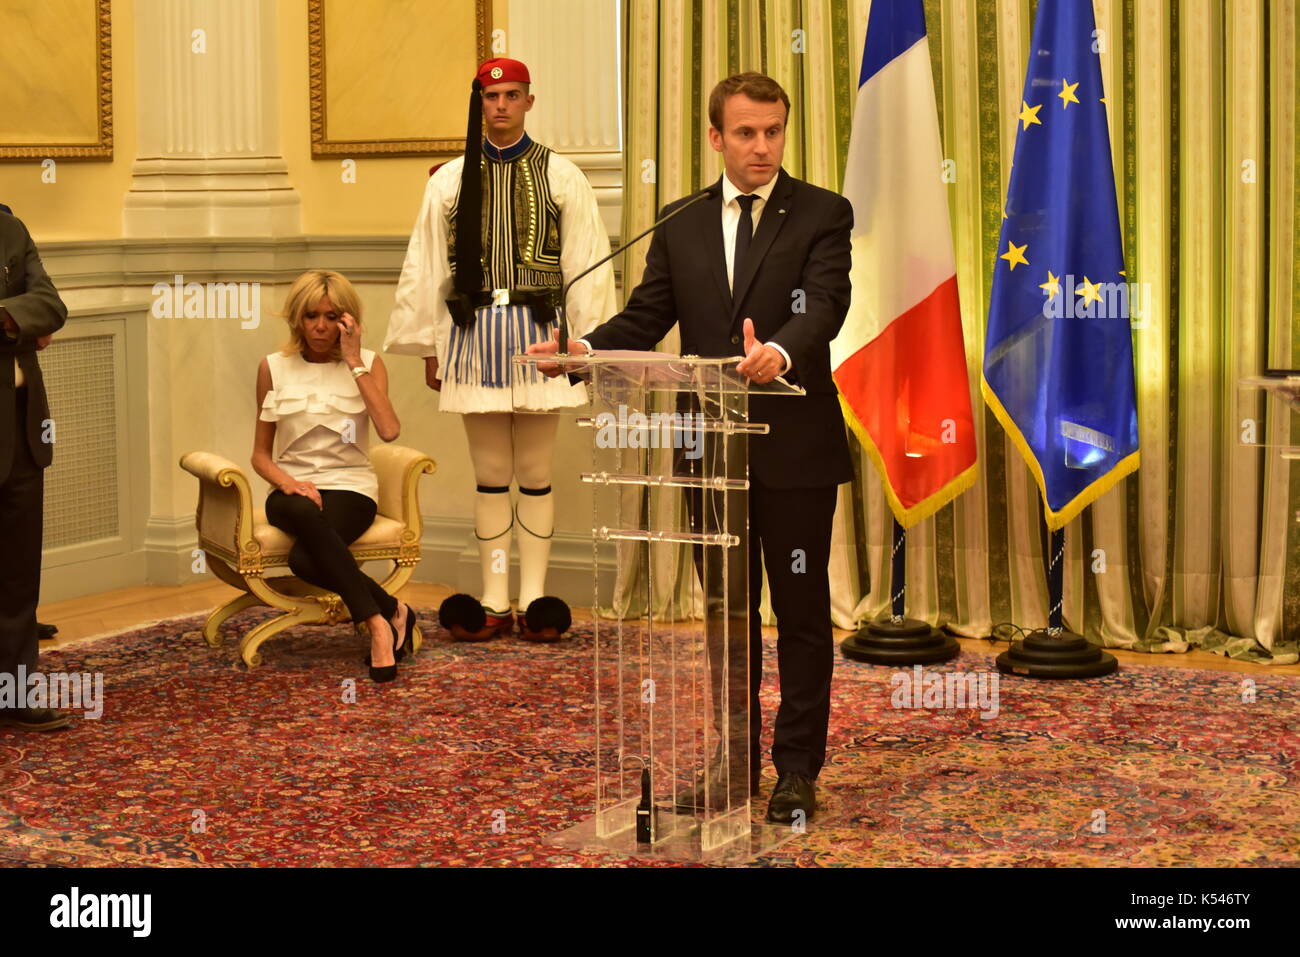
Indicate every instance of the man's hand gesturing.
{"type": "Point", "coordinates": [762, 363]}
{"type": "Point", "coordinates": [550, 348]}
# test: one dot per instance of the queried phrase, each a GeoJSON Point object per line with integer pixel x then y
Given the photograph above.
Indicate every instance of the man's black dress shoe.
{"type": "Point", "coordinates": [34, 719]}
{"type": "Point", "coordinates": [46, 632]}
{"type": "Point", "coordinates": [794, 792]}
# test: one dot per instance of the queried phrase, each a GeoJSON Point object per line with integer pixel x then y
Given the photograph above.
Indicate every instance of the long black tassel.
{"type": "Point", "coordinates": [469, 214]}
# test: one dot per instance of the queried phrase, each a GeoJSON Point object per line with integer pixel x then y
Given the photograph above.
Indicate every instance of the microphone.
{"type": "Point", "coordinates": [646, 812]}
{"type": "Point", "coordinates": [709, 192]}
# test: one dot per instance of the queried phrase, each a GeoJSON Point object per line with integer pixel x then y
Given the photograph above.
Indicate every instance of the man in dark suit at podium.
{"type": "Point", "coordinates": [762, 269]}
{"type": "Point", "coordinates": [30, 312]}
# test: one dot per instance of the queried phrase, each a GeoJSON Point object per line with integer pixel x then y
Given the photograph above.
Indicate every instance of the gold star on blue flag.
{"type": "Point", "coordinates": [1058, 369]}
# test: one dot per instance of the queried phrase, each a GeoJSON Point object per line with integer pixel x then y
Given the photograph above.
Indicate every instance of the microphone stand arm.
{"type": "Point", "coordinates": [564, 293]}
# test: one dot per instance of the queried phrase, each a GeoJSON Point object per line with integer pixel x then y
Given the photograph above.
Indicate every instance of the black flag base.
{"type": "Point", "coordinates": [1063, 655]}
{"type": "Point", "coordinates": [907, 642]}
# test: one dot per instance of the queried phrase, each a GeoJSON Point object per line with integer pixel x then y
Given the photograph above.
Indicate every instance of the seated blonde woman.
{"type": "Point", "coordinates": [318, 396]}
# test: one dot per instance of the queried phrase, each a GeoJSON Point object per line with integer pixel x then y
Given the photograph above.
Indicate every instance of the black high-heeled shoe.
{"type": "Point", "coordinates": [385, 672]}
{"type": "Point", "coordinates": [407, 647]}
{"type": "Point", "coordinates": [400, 653]}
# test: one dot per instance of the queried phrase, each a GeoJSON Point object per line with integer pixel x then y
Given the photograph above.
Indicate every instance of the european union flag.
{"type": "Point", "coordinates": [1058, 360]}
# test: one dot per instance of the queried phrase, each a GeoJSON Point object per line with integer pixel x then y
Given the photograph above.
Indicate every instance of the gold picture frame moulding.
{"type": "Point", "coordinates": [321, 146]}
{"type": "Point", "coordinates": [102, 147]}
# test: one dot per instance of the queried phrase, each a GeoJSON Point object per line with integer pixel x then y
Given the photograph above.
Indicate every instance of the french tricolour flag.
{"type": "Point", "coordinates": [899, 360]}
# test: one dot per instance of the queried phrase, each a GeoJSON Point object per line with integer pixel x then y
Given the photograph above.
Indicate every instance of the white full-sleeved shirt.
{"type": "Point", "coordinates": [322, 432]}
{"type": "Point", "coordinates": [420, 324]}
{"type": "Point", "coordinates": [730, 223]}
{"type": "Point", "coordinates": [731, 218]}
{"type": "Point", "coordinates": [19, 380]}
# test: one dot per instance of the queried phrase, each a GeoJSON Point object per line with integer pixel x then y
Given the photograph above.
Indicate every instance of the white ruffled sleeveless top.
{"type": "Point", "coordinates": [322, 432]}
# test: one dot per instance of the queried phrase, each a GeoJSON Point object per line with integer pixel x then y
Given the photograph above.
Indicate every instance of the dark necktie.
{"type": "Point", "coordinates": [744, 236]}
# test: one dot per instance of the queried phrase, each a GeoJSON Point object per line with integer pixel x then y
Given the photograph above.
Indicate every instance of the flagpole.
{"type": "Point", "coordinates": [893, 638]}
{"type": "Point", "coordinates": [1054, 651]}
{"type": "Point", "coordinates": [898, 575]}
{"type": "Point", "coordinates": [1055, 583]}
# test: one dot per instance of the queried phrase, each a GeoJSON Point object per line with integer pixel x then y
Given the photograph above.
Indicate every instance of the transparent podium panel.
{"type": "Point", "coordinates": [676, 737]}
{"type": "Point", "coordinates": [1268, 413]}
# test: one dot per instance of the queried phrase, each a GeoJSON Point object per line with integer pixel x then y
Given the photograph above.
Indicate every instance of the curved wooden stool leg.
{"type": "Point", "coordinates": [212, 627]}
{"type": "Point", "coordinates": [248, 647]}
{"type": "Point", "coordinates": [298, 603]}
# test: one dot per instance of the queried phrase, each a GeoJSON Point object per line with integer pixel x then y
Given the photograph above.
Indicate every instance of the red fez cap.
{"type": "Point", "coordinates": [502, 70]}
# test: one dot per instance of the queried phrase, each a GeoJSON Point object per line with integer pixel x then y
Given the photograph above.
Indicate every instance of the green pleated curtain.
{"type": "Point", "coordinates": [1201, 548]}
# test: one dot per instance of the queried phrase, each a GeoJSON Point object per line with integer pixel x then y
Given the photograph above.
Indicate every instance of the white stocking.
{"type": "Point", "coordinates": [490, 451]}
{"type": "Point", "coordinates": [534, 452]}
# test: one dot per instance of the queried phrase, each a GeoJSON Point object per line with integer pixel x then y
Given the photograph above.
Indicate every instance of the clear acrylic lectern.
{"type": "Point", "coordinates": [670, 553]}
{"type": "Point", "coordinates": [1267, 407]}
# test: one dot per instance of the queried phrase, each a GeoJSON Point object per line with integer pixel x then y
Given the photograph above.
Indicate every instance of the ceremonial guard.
{"type": "Point", "coordinates": [499, 233]}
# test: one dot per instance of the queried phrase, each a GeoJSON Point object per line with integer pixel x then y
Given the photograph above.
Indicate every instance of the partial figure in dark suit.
{"type": "Point", "coordinates": [44, 632]}
{"type": "Point", "coordinates": [762, 269]}
{"type": "Point", "coordinates": [30, 312]}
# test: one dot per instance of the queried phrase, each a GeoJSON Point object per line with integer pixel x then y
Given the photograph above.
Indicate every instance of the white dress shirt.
{"type": "Point", "coordinates": [19, 380]}
{"type": "Point", "coordinates": [730, 222]}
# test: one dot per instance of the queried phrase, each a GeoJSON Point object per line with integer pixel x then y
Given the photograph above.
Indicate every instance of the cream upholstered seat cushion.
{"type": "Point", "coordinates": [383, 533]}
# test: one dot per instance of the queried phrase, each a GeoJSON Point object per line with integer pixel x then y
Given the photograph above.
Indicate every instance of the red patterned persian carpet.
{"type": "Point", "coordinates": [198, 761]}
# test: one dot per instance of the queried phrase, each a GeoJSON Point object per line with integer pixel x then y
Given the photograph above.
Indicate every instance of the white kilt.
{"type": "Point", "coordinates": [477, 371]}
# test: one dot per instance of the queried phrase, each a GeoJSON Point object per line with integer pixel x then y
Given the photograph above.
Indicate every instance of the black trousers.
{"type": "Point", "coordinates": [22, 494]}
{"type": "Point", "coordinates": [320, 555]}
{"type": "Point", "coordinates": [792, 528]}
{"type": "Point", "coordinates": [789, 533]}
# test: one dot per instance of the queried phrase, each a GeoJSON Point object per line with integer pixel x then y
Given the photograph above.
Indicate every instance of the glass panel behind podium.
{"type": "Point", "coordinates": [675, 747]}
{"type": "Point", "coordinates": [1268, 410]}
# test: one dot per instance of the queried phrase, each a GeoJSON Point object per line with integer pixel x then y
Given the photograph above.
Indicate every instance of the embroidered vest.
{"type": "Point", "coordinates": [521, 223]}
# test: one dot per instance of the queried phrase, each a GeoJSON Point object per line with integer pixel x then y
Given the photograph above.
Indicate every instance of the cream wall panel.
{"type": "Point", "coordinates": [208, 160]}
{"type": "Point", "coordinates": [571, 48]}
{"type": "Point", "coordinates": [375, 195]}
{"type": "Point", "coordinates": [51, 87]}
{"type": "Point", "coordinates": [84, 200]}
{"type": "Point", "coordinates": [391, 67]}
{"type": "Point", "coordinates": [380, 195]}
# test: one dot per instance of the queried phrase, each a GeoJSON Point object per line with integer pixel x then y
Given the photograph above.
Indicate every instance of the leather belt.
{"type": "Point", "coordinates": [542, 301]}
